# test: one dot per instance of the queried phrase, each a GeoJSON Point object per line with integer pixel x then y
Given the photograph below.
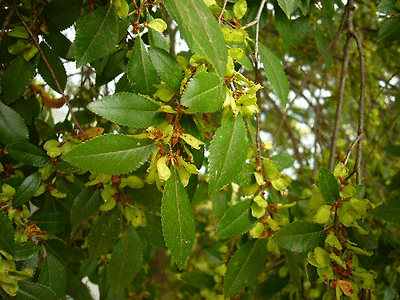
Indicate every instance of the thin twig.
{"type": "Point", "coordinates": [361, 113]}
{"type": "Point", "coordinates": [53, 74]}
{"type": "Point", "coordinates": [357, 140]}
{"type": "Point", "coordinates": [222, 12]}
{"type": "Point", "coordinates": [5, 24]}
{"type": "Point", "coordinates": [311, 72]}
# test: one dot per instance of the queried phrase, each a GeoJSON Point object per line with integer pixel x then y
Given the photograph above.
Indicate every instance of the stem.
{"type": "Point", "coordinates": [5, 24]}
{"type": "Point", "coordinates": [222, 12]}
{"type": "Point", "coordinates": [53, 74]}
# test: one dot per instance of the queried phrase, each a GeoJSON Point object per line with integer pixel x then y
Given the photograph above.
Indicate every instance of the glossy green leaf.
{"type": "Point", "coordinates": [282, 161]}
{"type": "Point", "coordinates": [85, 205]}
{"type": "Point", "coordinates": [28, 154]}
{"type": "Point", "coordinates": [300, 236]}
{"type": "Point", "coordinates": [52, 222]}
{"type": "Point", "coordinates": [157, 39]}
{"type": "Point", "coordinates": [328, 185]}
{"type": "Point", "coordinates": [128, 109]}
{"type": "Point", "coordinates": [104, 233]}
{"type": "Point", "coordinates": [57, 66]}
{"type": "Point", "coordinates": [12, 126]}
{"type": "Point", "coordinates": [61, 14]}
{"type": "Point", "coordinates": [236, 220]}
{"type": "Point", "coordinates": [288, 6]}
{"type": "Point", "coordinates": [228, 152]}
{"type": "Point", "coordinates": [25, 250]}
{"type": "Point", "coordinates": [245, 266]}
{"type": "Point", "coordinates": [275, 74]}
{"type": "Point", "coordinates": [6, 232]}
{"type": "Point", "coordinates": [200, 30]}
{"type": "Point", "coordinates": [110, 154]}
{"type": "Point", "coordinates": [389, 211]}
{"type": "Point", "coordinates": [204, 92]}
{"type": "Point", "coordinates": [58, 43]}
{"type": "Point", "coordinates": [96, 35]}
{"type": "Point", "coordinates": [177, 220]}
{"type": "Point", "coordinates": [27, 189]}
{"type": "Point", "coordinates": [390, 30]}
{"type": "Point", "coordinates": [34, 291]}
{"type": "Point", "coordinates": [53, 275]}
{"type": "Point", "coordinates": [126, 260]}
{"type": "Point", "coordinates": [141, 73]}
{"type": "Point", "coordinates": [283, 25]}
{"type": "Point", "coordinates": [17, 78]}
{"type": "Point", "coordinates": [167, 68]}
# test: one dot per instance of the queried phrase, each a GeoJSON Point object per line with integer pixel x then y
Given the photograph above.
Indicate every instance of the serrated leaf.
{"type": "Point", "coordinates": [61, 14]}
{"type": "Point", "coordinates": [300, 236]}
{"type": "Point", "coordinates": [390, 30]}
{"type": "Point", "coordinates": [34, 291]}
{"type": "Point", "coordinates": [96, 35]}
{"type": "Point", "coordinates": [6, 232]}
{"type": "Point", "coordinates": [167, 68]}
{"type": "Point", "coordinates": [126, 260]}
{"type": "Point", "coordinates": [104, 232]}
{"type": "Point", "coordinates": [245, 266]}
{"type": "Point", "coordinates": [177, 220]}
{"type": "Point", "coordinates": [236, 220]}
{"type": "Point", "coordinates": [288, 6]}
{"type": "Point", "coordinates": [52, 222]}
{"type": "Point", "coordinates": [85, 204]}
{"type": "Point", "coordinates": [12, 126]}
{"type": "Point", "coordinates": [228, 152]}
{"type": "Point", "coordinates": [110, 154]}
{"type": "Point", "coordinates": [282, 161]}
{"type": "Point", "coordinates": [275, 74]}
{"type": "Point", "coordinates": [204, 92]}
{"type": "Point", "coordinates": [283, 26]}
{"type": "Point", "coordinates": [57, 66]}
{"type": "Point", "coordinates": [53, 275]}
{"type": "Point", "coordinates": [200, 30]}
{"type": "Point", "coordinates": [17, 78]}
{"type": "Point", "coordinates": [27, 189]}
{"type": "Point", "coordinates": [128, 109]}
{"type": "Point", "coordinates": [328, 185]}
{"type": "Point", "coordinates": [389, 211]}
{"type": "Point", "coordinates": [25, 250]}
{"type": "Point", "coordinates": [141, 73]}
{"type": "Point", "coordinates": [28, 154]}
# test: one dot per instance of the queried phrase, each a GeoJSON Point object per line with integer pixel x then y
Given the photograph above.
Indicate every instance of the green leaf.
{"type": "Point", "coordinates": [275, 74]}
{"type": "Point", "coordinates": [25, 250]}
{"type": "Point", "coordinates": [300, 236]}
{"type": "Point", "coordinates": [167, 68]}
{"type": "Point", "coordinates": [57, 66]}
{"type": "Point", "coordinates": [12, 126]}
{"type": "Point", "coordinates": [387, 7]}
{"type": "Point", "coordinates": [236, 220]}
{"type": "Point", "coordinates": [328, 185]}
{"type": "Point", "coordinates": [198, 279]}
{"type": "Point", "coordinates": [28, 154]}
{"type": "Point", "coordinates": [204, 92]}
{"type": "Point", "coordinates": [128, 109]}
{"type": "Point", "coordinates": [61, 14]}
{"type": "Point", "coordinates": [85, 205]}
{"type": "Point", "coordinates": [282, 161]}
{"type": "Point", "coordinates": [288, 6]}
{"type": "Point", "coordinates": [17, 78]}
{"type": "Point", "coordinates": [104, 232]}
{"type": "Point", "coordinates": [228, 152]}
{"type": "Point", "coordinates": [110, 154]}
{"type": "Point", "coordinates": [152, 232]}
{"type": "Point", "coordinates": [177, 220]}
{"type": "Point", "coordinates": [6, 232]}
{"type": "Point", "coordinates": [200, 30]}
{"type": "Point", "coordinates": [156, 39]}
{"type": "Point", "coordinates": [27, 189]}
{"type": "Point", "coordinates": [283, 26]}
{"type": "Point", "coordinates": [34, 291]}
{"type": "Point", "coordinates": [96, 35]}
{"type": "Point", "coordinates": [245, 266]}
{"type": "Point", "coordinates": [126, 260]}
{"type": "Point", "coordinates": [389, 211]}
{"type": "Point", "coordinates": [141, 73]}
{"type": "Point", "coordinates": [53, 275]}
{"type": "Point", "coordinates": [52, 222]}
{"type": "Point", "coordinates": [58, 42]}
{"type": "Point", "coordinates": [390, 30]}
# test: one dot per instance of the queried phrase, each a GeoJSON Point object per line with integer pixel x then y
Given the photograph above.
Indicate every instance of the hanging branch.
{"type": "Point", "coordinates": [53, 74]}
{"type": "Point", "coordinates": [5, 24]}
{"type": "Point", "coordinates": [342, 85]}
